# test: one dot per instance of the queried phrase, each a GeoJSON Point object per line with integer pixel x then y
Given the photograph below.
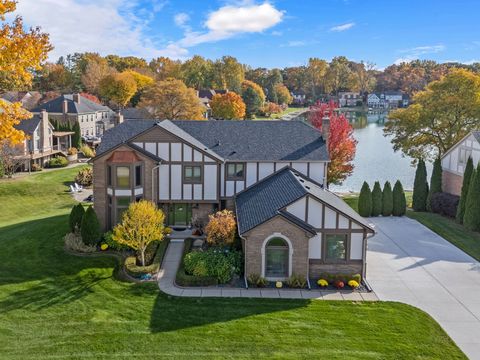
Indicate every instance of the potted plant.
{"type": "Point", "coordinates": [72, 154]}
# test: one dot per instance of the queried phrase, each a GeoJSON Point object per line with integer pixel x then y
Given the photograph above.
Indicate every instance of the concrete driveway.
{"type": "Point", "coordinates": [407, 262]}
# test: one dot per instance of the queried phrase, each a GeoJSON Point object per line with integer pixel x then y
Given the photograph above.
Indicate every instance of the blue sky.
{"type": "Point", "coordinates": [263, 34]}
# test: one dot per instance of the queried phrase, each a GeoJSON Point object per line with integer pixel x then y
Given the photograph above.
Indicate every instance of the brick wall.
{"type": "Point", "coordinates": [451, 183]}
{"type": "Point", "coordinates": [317, 267]}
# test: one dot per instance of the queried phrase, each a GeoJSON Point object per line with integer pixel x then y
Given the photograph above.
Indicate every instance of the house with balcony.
{"type": "Point", "coordinates": [272, 174]}
{"type": "Point", "coordinates": [93, 118]}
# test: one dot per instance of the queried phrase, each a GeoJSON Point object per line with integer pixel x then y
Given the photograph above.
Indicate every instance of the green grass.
{"type": "Point", "coordinates": [289, 110]}
{"type": "Point", "coordinates": [55, 305]}
{"type": "Point", "coordinates": [462, 238]}
{"type": "Point", "coordinates": [352, 199]}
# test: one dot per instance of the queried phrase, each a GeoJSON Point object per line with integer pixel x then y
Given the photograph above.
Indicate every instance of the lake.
{"type": "Point", "coordinates": [375, 159]}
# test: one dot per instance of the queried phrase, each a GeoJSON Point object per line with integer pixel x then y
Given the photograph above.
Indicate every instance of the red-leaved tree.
{"type": "Point", "coordinates": [341, 143]}
{"type": "Point", "coordinates": [91, 97]}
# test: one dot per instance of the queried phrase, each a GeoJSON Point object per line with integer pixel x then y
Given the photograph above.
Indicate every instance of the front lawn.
{"type": "Point", "coordinates": [55, 305]}
{"type": "Point", "coordinates": [289, 110]}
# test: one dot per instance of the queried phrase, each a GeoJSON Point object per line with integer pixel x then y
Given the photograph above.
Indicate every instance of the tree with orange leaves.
{"type": "Point", "coordinates": [341, 143]}
{"type": "Point", "coordinates": [229, 106]}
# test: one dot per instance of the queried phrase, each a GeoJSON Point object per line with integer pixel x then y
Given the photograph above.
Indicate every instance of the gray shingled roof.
{"type": "Point", "coordinates": [122, 133]}
{"type": "Point", "coordinates": [259, 140]}
{"type": "Point", "coordinates": [262, 201]}
{"type": "Point", "coordinates": [28, 126]}
{"type": "Point", "coordinates": [83, 107]}
{"type": "Point", "coordinates": [267, 198]}
{"type": "Point", "coordinates": [476, 134]}
{"type": "Point", "coordinates": [135, 114]}
{"type": "Point", "coordinates": [238, 140]}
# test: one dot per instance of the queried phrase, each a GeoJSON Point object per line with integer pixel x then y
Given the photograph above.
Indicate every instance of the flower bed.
{"type": "Point", "coordinates": [146, 272]}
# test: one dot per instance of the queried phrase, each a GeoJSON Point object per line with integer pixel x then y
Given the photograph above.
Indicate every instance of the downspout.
{"type": "Point", "coordinates": [244, 263]}
{"type": "Point", "coordinates": [153, 175]}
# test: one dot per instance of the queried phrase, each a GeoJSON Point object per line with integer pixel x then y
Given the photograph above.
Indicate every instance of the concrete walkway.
{"type": "Point", "coordinates": [407, 262]}
{"type": "Point", "coordinates": [166, 282]}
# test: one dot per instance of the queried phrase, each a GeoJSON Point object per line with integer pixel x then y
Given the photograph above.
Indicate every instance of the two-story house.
{"type": "Point", "coordinates": [93, 118]}
{"type": "Point", "coordinates": [349, 98]}
{"type": "Point", "coordinates": [271, 173]}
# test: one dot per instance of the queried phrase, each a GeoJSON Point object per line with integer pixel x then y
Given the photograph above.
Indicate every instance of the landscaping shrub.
{"type": "Point", "coordinates": [365, 201]}
{"type": "Point", "coordinates": [137, 271]}
{"type": "Point", "coordinates": [57, 162]}
{"type": "Point", "coordinates": [72, 151]}
{"type": "Point", "coordinates": [90, 227]}
{"type": "Point", "coordinates": [2, 169]}
{"type": "Point", "coordinates": [467, 176]}
{"type": "Point", "coordinates": [85, 177]}
{"type": "Point", "coordinates": [255, 280]}
{"type": "Point", "coordinates": [73, 242]}
{"type": "Point", "coordinates": [112, 244]}
{"type": "Point", "coordinates": [471, 220]}
{"type": "Point", "coordinates": [376, 199]}
{"type": "Point", "coordinates": [76, 215]}
{"type": "Point", "coordinates": [420, 187]}
{"type": "Point", "coordinates": [87, 151]}
{"type": "Point", "coordinates": [183, 279]}
{"type": "Point", "coordinates": [399, 200]}
{"type": "Point", "coordinates": [34, 167]}
{"type": "Point", "coordinates": [297, 281]}
{"type": "Point", "coordinates": [221, 228]}
{"type": "Point", "coordinates": [387, 200]}
{"type": "Point", "coordinates": [435, 182]}
{"type": "Point", "coordinates": [444, 204]}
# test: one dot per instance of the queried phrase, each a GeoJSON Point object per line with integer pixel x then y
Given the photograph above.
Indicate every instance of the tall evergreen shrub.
{"type": "Point", "coordinates": [90, 228]}
{"type": "Point", "coordinates": [387, 200]}
{"type": "Point", "coordinates": [365, 201]}
{"type": "Point", "coordinates": [376, 199]}
{"type": "Point", "coordinates": [467, 176]}
{"type": "Point", "coordinates": [399, 200]}
{"type": "Point", "coordinates": [76, 215]}
{"type": "Point", "coordinates": [435, 182]}
{"type": "Point", "coordinates": [471, 220]}
{"type": "Point", "coordinates": [420, 187]}
{"type": "Point", "coordinates": [76, 137]}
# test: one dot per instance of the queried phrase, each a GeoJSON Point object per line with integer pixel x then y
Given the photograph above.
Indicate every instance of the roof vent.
{"type": "Point", "coordinates": [302, 181]}
{"type": "Point", "coordinates": [307, 187]}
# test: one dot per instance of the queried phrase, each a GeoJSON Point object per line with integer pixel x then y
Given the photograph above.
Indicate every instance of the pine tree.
{"type": "Point", "coordinates": [435, 182]}
{"type": "Point", "coordinates": [471, 220]}
{"type": "Point", "coordinates": [467, 176]}
{"type": "Point", "coordinates": [76, 138]}
{"type": "Point", "coordinates": [376, 199]}
{"type": "Point", "coordinates": [76, 215]}
{"type": "Point", "coordinates": [90, 228]}
{"type": "Point", "coordinates": [399, 200]}
{"type": "Point", "coordinates": [387, 199]}
{"type": "Point", "coordinates": [365, 201]}
{"type": "Point", "coordinates": [420, 187]}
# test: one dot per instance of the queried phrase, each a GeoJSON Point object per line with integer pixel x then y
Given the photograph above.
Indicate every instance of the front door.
{"type": "Point", "coordinates": [179, 214]}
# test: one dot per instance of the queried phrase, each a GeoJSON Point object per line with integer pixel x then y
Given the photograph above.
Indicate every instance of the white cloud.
{"type": "Point", "coordinates": [181, 19]}
{"type": "Point", "coordinates": [231, 20]}
{"type": "Point", "coordinates": [295, 43]}
{"type": "Point", "coordinates": [342, 27]}
{"type": "Point", "coordinates": [416, 52]}
{"type": "Point", "coordinates": [106, 27]}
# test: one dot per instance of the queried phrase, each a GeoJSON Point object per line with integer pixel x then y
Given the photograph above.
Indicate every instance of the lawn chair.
{"type": "Point", "coordinates": [72, 189]}
{"type": "Point", "coordinates": [79, 188]}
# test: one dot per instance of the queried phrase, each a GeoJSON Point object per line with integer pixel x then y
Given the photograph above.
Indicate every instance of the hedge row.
{"type": "Point", "coordinates": [387, 202]}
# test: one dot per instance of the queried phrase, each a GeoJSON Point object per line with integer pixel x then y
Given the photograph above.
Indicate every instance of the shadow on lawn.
{"type": "Point", "coordinates": [173, 313]}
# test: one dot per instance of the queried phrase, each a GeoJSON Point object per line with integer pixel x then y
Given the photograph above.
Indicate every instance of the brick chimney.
{"type": "Point", "coordinates": [119, 118]}
{"type": "Point", "coordinates": [65, 107]}
{"type": "Point", "coordinates": [326, 129]}
{"type": "Point", "coordinates": [45, 136]}
{"type": "Point", "coordinates": [76, 98]}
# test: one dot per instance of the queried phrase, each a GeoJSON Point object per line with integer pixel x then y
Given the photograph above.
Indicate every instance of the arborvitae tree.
{"type": "Point", "coordinates": [376, 199]}
{"type": "Point", "coordinates": [90, 228]}
{"type": "Point", "coordinates": [76, 138]}
{"type": "Point", "coordinates": [76, 215]}
{"type": "Point", "coordinates": [387, 199]}
{"type": "Point", "coordinates": [420, 187]}
{"type": "Point", "coordinates": [399, 200]}
{"type": "Point", "coordinates": [435, 182]}
{"type": "Point", "coordinates": [365, 201]}
{"type": "Point", "coordinates": [471, 220]}
{"type": "Point", "coordinates": [467, 176]}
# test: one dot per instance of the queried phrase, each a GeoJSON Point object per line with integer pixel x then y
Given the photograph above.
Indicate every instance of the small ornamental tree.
{"type": "Point", "coordinates": [142, 224]}
{"type": "Point", "coordinates": [376, 199]}
{"type": "Point", "coordinates": [420, 187]}
{"type": "Point", "coordinates": [467, 176]}
{"type": "Point", "coordinates": [399, 200]}
{"type": "Point", "coordinates": [471, 220]}
{"type": "Point", "coordinates": [76, 137]}
{"type": "Point", "coordinates": [221, 228]}
{"type": "Point", "coordinates": [76, 216]}
{"type": "Point", "coordinates": [435, 182]}
{"type": "Point", "coordinates": [387, 200]}
{"type": "Point", "coordinates": [90, 227]}
{"type": "Point", "coordinates": [365, 201]}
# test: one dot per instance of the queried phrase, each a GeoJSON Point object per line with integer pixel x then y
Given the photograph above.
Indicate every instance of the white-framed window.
{"type": "Point", "coordinates": [463, 155]}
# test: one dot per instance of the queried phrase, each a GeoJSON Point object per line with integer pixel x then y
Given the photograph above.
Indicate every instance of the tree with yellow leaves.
{"type": "Point", "coordinates": [20, 52]}
{"type": "Point", "coordinates": [221, 228]}
{"type": "Point", "coordinates": [118, 88]}
{"type": "Point", "coordinates": [173, 100]}
{"type": "Point", "coordinates": [141, 225]}
{"type": "Point", "coordinates": [141, 80]}
{"type": "Point", "coordinates": [228, 106]}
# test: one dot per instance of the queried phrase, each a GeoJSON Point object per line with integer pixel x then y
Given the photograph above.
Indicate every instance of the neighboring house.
{"type": "Point", "coordinates": [349, 98]}
{"type": "Point", "coordinates": [93, 118]}
{"type": "Point", "coordinates": [29, 99]}
{"type": "Point", "coordinates": [387, 100]}
{"type": "Point", "coordinates": [373, 100]}
{"type": "Point", "coordinates": [455, 159]}
{"type": "Point", "coordinates": [191, 169]}
{"type": "Point", "coordinates": [298, 97]}
{"type": "Point", "coordinates": [205, 97]}
{"type": "Point", "coordinates": [134, 114]}
{"type": "Point", "coordinates": [42, 142]}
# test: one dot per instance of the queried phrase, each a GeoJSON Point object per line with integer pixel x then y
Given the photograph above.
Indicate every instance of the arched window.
{"type": "Point", "coordinates": [276, 258]}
